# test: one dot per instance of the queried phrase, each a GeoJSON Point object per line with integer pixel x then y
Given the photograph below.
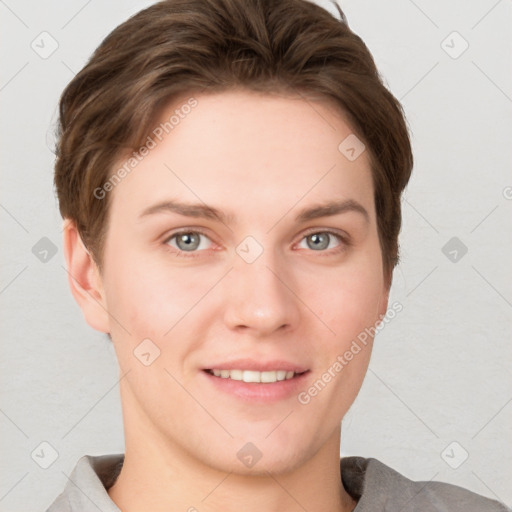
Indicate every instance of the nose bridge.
{"type": "Point", "coordinates": [258, 295]}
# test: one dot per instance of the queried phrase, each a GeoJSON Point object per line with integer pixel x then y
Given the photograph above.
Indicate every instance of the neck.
{"type": "Point", "coordinates": [160, 474]}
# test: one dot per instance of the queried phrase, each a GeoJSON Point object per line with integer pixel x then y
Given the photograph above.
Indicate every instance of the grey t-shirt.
{"type": "Point", "coordinates": [375, 486]}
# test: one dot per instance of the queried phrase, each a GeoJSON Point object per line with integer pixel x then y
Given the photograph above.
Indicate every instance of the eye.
{"type": "Point", "coordinates": [188, 241]}
{"type": "Point", "coordinates": [321, 240]}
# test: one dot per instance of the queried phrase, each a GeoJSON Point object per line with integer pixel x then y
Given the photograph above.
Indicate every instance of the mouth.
{"type": "Point", "coordinates": [253, 376]}
{"type": "Point", "coordinates": [257, 387]}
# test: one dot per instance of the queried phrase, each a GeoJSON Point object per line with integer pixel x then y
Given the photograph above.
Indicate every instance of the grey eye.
{"type": "Point", "coordinates": [318, 241]}
{"type": "Point", "coordinates": [189, 241]}
{"type": "Point", "coordinates": [321, 240]}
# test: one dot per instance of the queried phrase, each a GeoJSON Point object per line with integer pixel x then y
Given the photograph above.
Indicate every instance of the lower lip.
{"type": "Point", "coordinates": [259, 392]}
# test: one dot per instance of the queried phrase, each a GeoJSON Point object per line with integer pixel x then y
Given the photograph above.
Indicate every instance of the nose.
{"type": "Point", "coordinates": [260, 296]}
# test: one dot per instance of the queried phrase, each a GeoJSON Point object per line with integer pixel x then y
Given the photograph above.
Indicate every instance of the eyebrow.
{"type": "Point", "coordinates": [189, 210]}
{"type": "Point", "coordinates": [209, 212]}
{"type": "Point", "coordinates": [332, 208]}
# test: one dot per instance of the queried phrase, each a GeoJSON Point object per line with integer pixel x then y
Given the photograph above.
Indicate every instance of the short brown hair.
{"type": "Point", "coordinates": [178, 47]}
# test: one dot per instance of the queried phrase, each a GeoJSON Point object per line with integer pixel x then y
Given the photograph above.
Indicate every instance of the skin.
{"type": "Point", "coordinates": [262, 159]}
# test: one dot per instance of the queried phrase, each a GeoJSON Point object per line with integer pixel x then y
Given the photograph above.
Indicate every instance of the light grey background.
{"type": "Point", "coordinates": [441, 370]}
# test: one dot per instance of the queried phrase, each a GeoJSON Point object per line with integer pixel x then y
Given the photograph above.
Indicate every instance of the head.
{"type": "Point", "coordinates": [260, 113]}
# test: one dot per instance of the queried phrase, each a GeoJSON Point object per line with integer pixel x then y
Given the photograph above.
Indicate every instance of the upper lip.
{"type": "Point", "coordinates": [259, 366]}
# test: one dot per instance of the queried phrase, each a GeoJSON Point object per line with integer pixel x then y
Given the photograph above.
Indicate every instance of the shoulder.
{"type": "Point", "coordinates": [88, 483]}
{"type": "Point", "coordinates": [377, 486]}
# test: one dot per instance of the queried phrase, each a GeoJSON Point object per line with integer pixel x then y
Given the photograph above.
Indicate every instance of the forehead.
{"type": "Point", "coordinates": [249, 149]}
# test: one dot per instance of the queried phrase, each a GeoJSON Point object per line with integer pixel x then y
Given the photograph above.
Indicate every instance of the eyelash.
{"type": "Point", "coordinates": [344, 242]}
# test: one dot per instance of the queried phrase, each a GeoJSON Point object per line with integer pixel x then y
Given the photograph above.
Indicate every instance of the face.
{"type": "Point", "coordinates": [220, 255]}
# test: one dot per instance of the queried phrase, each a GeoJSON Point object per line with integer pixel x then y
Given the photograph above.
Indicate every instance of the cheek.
{"type": "Point", "coordinates": [348, 301]}
{"type": "Point", "coordinates": [349, 306]}
{"type": "Point", "coordinates": [154, 300]}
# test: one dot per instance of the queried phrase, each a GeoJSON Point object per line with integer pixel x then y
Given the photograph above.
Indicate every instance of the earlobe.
{"type": "Point", "coordinates": [84, 279]}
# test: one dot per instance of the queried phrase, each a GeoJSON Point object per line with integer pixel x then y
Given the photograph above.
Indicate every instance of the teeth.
{"type": "Point", "coordinates": [254, 376]}
{"type": "Point", "coordinates": [281, 374]}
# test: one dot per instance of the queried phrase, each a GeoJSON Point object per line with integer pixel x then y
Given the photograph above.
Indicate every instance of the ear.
{"type": "Point", "coordinates": [383, 302]}
{"type": "Point", "coordinates": [84, 279]}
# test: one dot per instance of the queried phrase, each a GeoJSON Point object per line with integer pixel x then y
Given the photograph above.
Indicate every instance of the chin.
{"type": "Point", "coordinates": [248, 455]}
{"type": "Point", "coordinates": [275, 463]}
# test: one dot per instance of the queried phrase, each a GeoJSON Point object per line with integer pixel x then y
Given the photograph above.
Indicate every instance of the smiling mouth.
{"type": "Point", "coordinates": [251, 376]}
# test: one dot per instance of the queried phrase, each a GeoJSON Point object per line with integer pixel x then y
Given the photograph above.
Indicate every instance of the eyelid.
{"type": "Point", "coordinates": [343, 235]}
{"type": "Point", "coordinates": [182, 231]}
